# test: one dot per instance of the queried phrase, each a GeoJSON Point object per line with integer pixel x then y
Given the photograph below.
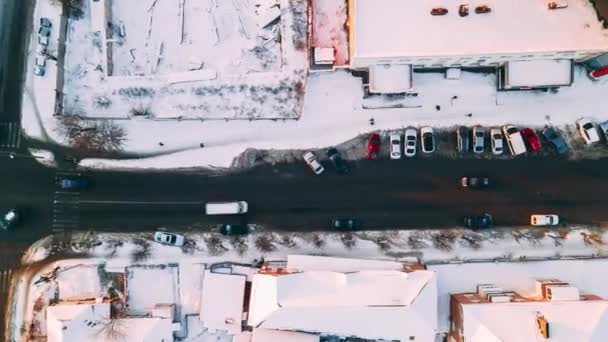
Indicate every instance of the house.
{"type": "Point", "coordinates": [371, 302]}
{"type": "Point", "coordinates": [392, 38]}
{"type": "Point", "coordinates": [558, 312]}
{"type": "Point", "coordinates": [93, 322]}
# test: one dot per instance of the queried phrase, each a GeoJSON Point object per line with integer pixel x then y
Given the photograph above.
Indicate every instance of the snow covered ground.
{"type": "Point", "coordinates": [173, 275]}
{"type": "Point", "coordinates": [334, 110]}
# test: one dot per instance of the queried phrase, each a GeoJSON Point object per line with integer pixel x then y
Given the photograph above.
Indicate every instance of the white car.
{"type": "Point", "coordinates": [515, 141]}
{"type": "Point", "coordinates": [496, 141]}
{"type": "Point", "coordinates": [170, 239]}
{"type": "Point", "coordinates": [314, 164]}
{"type": "Point", "coordinates": [588, 131]}
{"type": "Point", "coordinates": [428, 139]}
{"type": "Point", "coordinates": [411, 139]}
{"type": "Point", "coordinates": [479, 137]}
{"type": "Point", "coordinates": [395, 140]}
{"type": "Point", "coordinates": [544, 220]}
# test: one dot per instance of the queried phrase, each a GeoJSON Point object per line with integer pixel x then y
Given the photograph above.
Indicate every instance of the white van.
{"type": "Point", "coordinates": [514, 140]}
{"type": "Point", "coordinates": [226, 208]}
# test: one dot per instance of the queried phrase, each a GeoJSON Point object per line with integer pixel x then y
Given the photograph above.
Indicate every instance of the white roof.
{"type": "Point", "coordinates": [388, 305]}
{"type": "Point", "coordinates": [344, 265]}
{"type": "Point", "coordinates": [513, 322]}
{"type": "Point", "coordinates": [542, 72]}
{"type": "Point", "coordinates": [86, 322]}
{"type": "Point", "coordinates": [222, 301]}
{"type": "Point", "coordinates": [268, 335]}
{"type": "Point", "coordinates": [390, 78]}
{"type": "Point", "coordinates": [72, 322]}
{"type": "Point", "coordinates": [394, 28]}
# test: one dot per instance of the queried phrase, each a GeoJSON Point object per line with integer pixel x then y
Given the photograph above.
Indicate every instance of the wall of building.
{"type": "Point", "coordinates": [489, 60]}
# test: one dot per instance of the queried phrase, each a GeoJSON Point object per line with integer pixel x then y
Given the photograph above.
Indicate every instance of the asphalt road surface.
{"type": "Point", "coordinates": [386, 194]}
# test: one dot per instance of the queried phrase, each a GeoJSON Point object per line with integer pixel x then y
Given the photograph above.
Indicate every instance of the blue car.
{"type": "Point", "coordinates": [74, 184]}
{"type": "Point", "coordinates": [556, 140]}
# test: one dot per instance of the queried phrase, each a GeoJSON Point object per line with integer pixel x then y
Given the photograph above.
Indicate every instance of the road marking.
{"type": "Point", "coordinates": [134, 202]}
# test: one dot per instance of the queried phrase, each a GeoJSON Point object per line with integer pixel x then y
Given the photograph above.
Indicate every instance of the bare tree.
{"type": "Point", "coordinates": [471, 240]}
{"type": "Point", "coordinates": [416, 241]}
{"type": "Point", "coordinates": [286, 240]}
{"type": "Point", "coordinates": [215, 245]}
{"type": "Point", "coordinates": [74, 8]}
{"type": "Point", "coordinates": [265, 243]}
{"type": "Point", "coordinates": [142, 251]}
{"type": "Point", "coordinates": [189, 246]}
{"type": "Point", "coordinates": [383, 241]}
{"type": "Point", "coordinates": [444, 240]}
{"type": "Point", "coordinates": [91, 135]}
{"type": "Point", "coordinates": [533, 236]}
{"type": "Point", "coordinates": [113, 329]}
{"type": "Point", "coordinates": [348, 239]}
{"type": "Point", "coordinates": [239, 245]}
{"type": "Point", "coordinates": [317, 240]}
{"type": "Point", "coordinates": [592, 239]}
{"type": "Point", "coordinates": [557, 237]}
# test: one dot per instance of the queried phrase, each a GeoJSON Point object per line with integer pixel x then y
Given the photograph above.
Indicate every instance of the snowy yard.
{"type": "Point", "coordinates": [160, 282]}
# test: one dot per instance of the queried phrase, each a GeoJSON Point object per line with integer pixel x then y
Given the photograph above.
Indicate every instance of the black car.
{"type": "Point", "coordinates": [475, 182]}
{"type": "Point", "coordinates": [345, 224]}
{"type": "Point", "coordinates": [340, 164]}
{"type": "Point", "coordinates": [476, 222]}
{"type": "Point", "coordinates": [234, 229]}
{"type": "Point", "coordinates": [556, 140]}
{"type": "Point", "coordinates": [462, 139]}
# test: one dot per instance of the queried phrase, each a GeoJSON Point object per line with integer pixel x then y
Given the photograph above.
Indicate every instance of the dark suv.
{"type": "Point", "coordinates": [345, 224]}
{"type": "Point", "coordinates": [476, 222]}
{"type": "Point", "coordinates": [234, 229]}
{"type": "Point", "coordinates": [339, 163]}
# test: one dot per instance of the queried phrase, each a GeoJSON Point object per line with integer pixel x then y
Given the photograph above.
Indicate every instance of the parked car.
{"type": "Point", "coordinates": [555, 139]}
{"type": "Point", "coordinates": [40, 61]}
{"type": "Point", "coordinates": [395, 139]}
{"type": "Point", "coordinates": [496, 141]}
{"type": "Point", "coordinates": [475, 182]}
{"type": "Point", "coordinates": [340, 164]}
{"type": "Point", "coordinates": [373, 146]}
{"type": "Point", "coordinates": [476, 222]}
{"type": "Point", "coordinates": [479, 137]}
{"type": "Point", "coordinates": [531, 139]}
{"type": "Point", "coordinates": [462, 139]}
{"type": "Point", "coordinates": [9, 219]}
{"type": "Point", "coordinates": [588, 131]}
{"type": "Point", "coordinates": [313, 163]}
{"type": "Point", "coordinates": [74, 183]}
{"type": "Point", "coordinates": [428, 139]}
{"type": "Point", "coordinates": [46, 22]}
{"type": "Point", "coordinates": [514, 140]}
{"type": "Point", "coordinates": [43, 40]}
{"type": "Point", "coordinates": [170, 239]}
{"type": "Point", "coordinates": [604, 129]}
{"type": "Point", "coordinates": [44, 31]}
{"type": "Point", "coordinates": [39, 71]}
{"type": "Point", "coordinates": [345, 224]}
{"type": "Point", "coordinates": [544, 220]}
{"type": "Point", "coordinates": [234, 229]}
{"type": "Point", "coordinates": [411, 140]}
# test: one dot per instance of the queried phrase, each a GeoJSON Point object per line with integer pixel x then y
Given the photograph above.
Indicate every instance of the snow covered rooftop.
{"type": "Point", "coordinates": [344, 265]}
{"type": "Point", "coordinates": [394, 305]}
{"type": "Point", "coordinates": [69, 322]}
{"type": "Point", "coordinates": [222, 301]}
{"type": "Point", "coordinates": [513, 322]}
{"type": "Point", "coordinates": [268, 335]}
{"type": "Point", "coordinates": [90, 322]}
{"type": "Point", "coordinates": [397, 28]}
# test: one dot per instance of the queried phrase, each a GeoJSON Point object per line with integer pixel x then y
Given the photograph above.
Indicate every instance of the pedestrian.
{"type": "Point", "coordinates": [454, 98]}
{"type": "Point", "coordinates": [438, 107]}
{"type": "Point", "coordinates": [469, 115]}
{"type": "Point", "coordinates": [11, 155]}
{"type": "Point", "coordinates": [372, 121]}
{"type": "Point", "coordinates": [160, 143]}
{"type": "Point", "coordinates": [202, 145]}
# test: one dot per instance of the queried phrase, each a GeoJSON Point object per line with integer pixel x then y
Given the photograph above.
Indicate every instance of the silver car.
{"type": "Point", "coordinates": [479, 136]}
{"type": "Point", "coordinates": [411, 140]}
{"type": "Point", "coordinates": [497, 141]}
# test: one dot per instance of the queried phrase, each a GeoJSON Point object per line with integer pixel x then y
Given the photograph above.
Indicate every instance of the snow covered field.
{"type": "Point", "coordinates": [173, 275]}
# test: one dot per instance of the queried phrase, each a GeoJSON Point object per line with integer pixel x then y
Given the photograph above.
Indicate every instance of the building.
{"type": "Point", "coordinates": [532, 43]}
{"type": "Point", "coordinates": [558, 312]}
{"type": "Point", "coordinates": [372, 300]}
{"type": "Point", "coordinates": [93, 322]}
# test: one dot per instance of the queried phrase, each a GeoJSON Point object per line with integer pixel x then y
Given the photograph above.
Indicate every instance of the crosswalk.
{"type": "Point", "coordinates": [66, 211]}
{"type": "Point", "coordinates": [10, 135]}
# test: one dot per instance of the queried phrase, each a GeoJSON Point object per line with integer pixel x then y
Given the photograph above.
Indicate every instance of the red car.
{"type": "Point", "coordinates": [531, 139]}
{"type": "Point", "coordinates": [373, 146]}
